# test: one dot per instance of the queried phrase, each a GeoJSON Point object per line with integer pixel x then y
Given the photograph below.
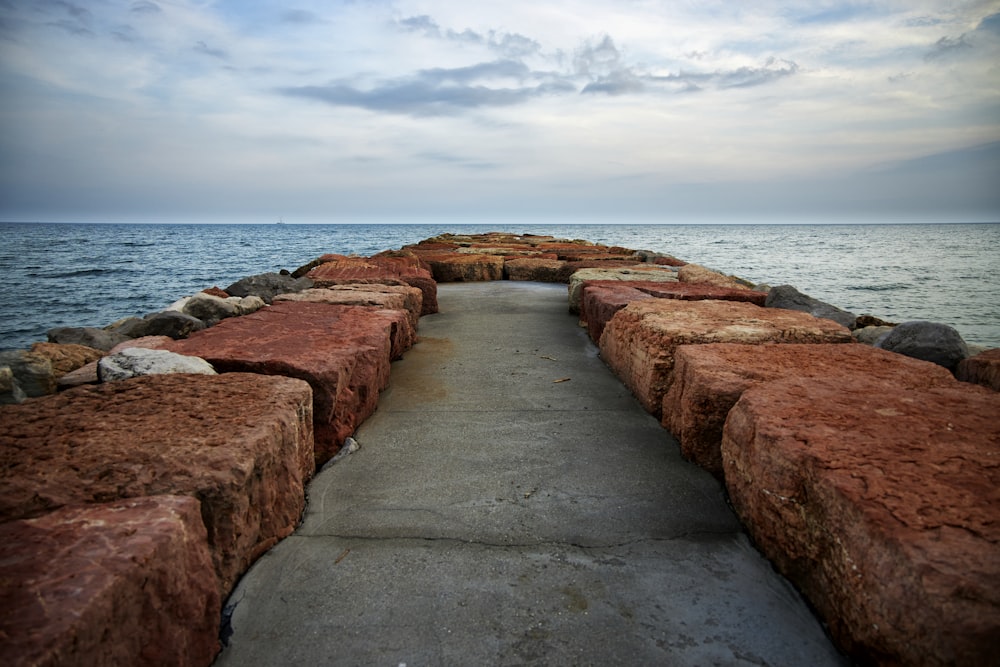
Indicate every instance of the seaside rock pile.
{"type": "Point", "coordinates": [869, 478]}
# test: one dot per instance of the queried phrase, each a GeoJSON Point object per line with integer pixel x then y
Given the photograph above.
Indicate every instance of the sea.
{"type": "Point", "coordinates": [62, 274]}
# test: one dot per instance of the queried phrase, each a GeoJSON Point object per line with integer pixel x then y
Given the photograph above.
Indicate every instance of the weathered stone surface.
{"type": "Point", "coordinates": [66, 358]}
{"type": "Point", "coordinates": [707, 381]}
{"type": "Point", "coordinates": [10, 390]}
{"type": "Point", "coordinates": [870, 335]}
{"type": "Point", "coordinates": [984, 369]}
{"type": "Point", "coordinates": [639, 341]}
{"type": "Point", "coordinates": [122, 583]}
{"type": "Point", "coordinates": [240, 443]}
{"type": "Point", "coordinates": [392, 297]}
{"type": "Point", "coordinates": [384, 269]}
{"type": "Point", "coordinates": [137, 361]}
{"type": "Point", "coordinates": [217, 291]}
{"type": "Point", "coordinates": [211, 309]}
{"type": "Point", "coordinates": [697, 274]}
{"type": "Point", "coordinates": [87, 336]}
{"type": "Point", "coordinates": [343, 352]}
{"type": "Point", "coordinates": [268, 285]}
{"type": "Point", "coordinates": [172, 323]}
{"type": "Point", "coordinates": [603, 298]}
{"type": "Point", "coordinates": [32, 371]}
{"type": "Point", "coordinates": [637, 272]}
{"type": "Point", "coordinates": [535, 269]}
{"type": "Point", "coordinates": [930, 341]}
{"type": "Point", "coordinates": [786, 296]}
{"type": "Point", "coordinates": [882, 505]}
{"type": "Point", "coordinates": [87, 374]}
{"type": "Point", "coordinates": [456, 267]}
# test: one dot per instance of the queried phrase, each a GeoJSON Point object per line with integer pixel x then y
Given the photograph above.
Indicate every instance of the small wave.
{"type": "Point", "coordinates": [891, 287]}
{"type": "Point", "coordinates": [80, 273]}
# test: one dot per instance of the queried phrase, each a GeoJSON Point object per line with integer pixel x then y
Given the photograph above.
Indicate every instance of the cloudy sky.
{"type": "Point", "coordinates": [424, 110]}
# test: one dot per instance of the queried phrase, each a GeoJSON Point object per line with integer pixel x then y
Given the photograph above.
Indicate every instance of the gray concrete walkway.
{"type": "Point", "coordinates": [513, 505]}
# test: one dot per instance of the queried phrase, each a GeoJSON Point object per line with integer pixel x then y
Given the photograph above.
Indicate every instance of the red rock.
{"type": "Point", "coordinates": [535, 269]}
{"type": "Point", "coordinates": [882, 505]}
{"type": "Point", "coordinates": [122, 583]}
{"type": "Point", "coordinates": [384, 269]}
{"type": "Point", "coordinates": [66, 357]}
{"type": "Point", "coordinates": [615, 295]}
{"type": "Point", "coordinates": [386, 297]}
{"type": "Point", "coordinates": [694, 273]}
{"type": "Point", "coordinates": [449, 267]}
{"type": "Point", "coordinates": [639, 341]}
{"type": "Point", "coordinates": [984, 369]}
{"type": "Point", "coordinates": [707, 381]}
{"type": "Point", "coordinates": [217, 291]}
{"type": "Point", "coordinates": [628, 274]}
{"type": "Point", "coordinates": [240, 443]}
{"type": "Point", "coordinates": [343, 352]}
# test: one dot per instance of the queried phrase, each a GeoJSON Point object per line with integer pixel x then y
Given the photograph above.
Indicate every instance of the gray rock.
{"type": "Point", "coordinates": [10, 390]}
{"type": "Point", "coordinates": [930, 341]}
{"type": "Point", "coordinates": [268, 285]}
{"type": "Point", "coordinates": [789, 298]}
{"type": "Point", "coordinates": [250, 304]}
{"type": "Point", "coordinates": [136, 361]}
{"type": "Point", "coordinates": [100, 339]}
{"type": "Point", "coordinates": [211, 309]}
{"type": "Point", "coordinates": [31, 372]}
{"type": "Point", "coordinates": [869, 335]}
{"type": "Point", "coordinates": [167, 323]}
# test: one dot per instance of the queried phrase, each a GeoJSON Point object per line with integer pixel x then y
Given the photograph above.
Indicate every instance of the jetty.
{"type": "Point", "coordinates": [498, 449]}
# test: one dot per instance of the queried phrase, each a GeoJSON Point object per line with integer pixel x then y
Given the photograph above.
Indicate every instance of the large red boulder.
{"type": "Point", "coordinates": [451, 267]}
{"type": "Point", "coordinates": [634, 273]}
{"type": "Point", "coordinates": [377, 297]}
{"type": "Point", "coordinates": [388, 269]}
{"type": "Point", "coordinates": [535, 269]}
{"type": "Point", "coordinates": [697, 274]}
{"type": "Point", "coordinates": [122, 583]}
{"type": "Point", "coordinates": [882, 504]}
{"type": "Point", "coordinates": [984, 369]}
{"type": "Point", "coordinates": [240, 443]}
{"type": "Point", "coordinates": [343, 352]}
{"type": "Point", "coordinates": [638, 343]}
{"type": "Point", "coordinates": [708, 380]}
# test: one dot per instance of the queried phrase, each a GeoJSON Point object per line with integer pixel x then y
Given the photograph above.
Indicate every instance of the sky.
{"type": "Point", "coordinates": [590, 111]}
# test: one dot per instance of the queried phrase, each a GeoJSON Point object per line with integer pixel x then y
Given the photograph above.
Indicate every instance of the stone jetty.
{"type": "Point", "coordinates": [868, 475]}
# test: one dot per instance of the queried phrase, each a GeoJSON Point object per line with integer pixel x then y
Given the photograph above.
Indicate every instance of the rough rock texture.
{"type": "Point", "coordinates": [87, 374]}
{"type": "Point", "coordinates": [930, 341]}
{"type": "Point", "coordinates": [66, 358]}
{"type": "Point", "coordinates": [708, 380]}
{"type": "Point", "coordinates": [240, 443]}
{"type": "Point", "coordinates": [88, 336]}
{"type": "Point", "coordinates": [32, 371]}
{"type": "Point", "coordinates": [639, 341]}
{"type": "Point", "coordinates": [603, 298]}
{"type": "Point", "coordinates": [882, 504]}
{"type": "Point", "coordinates": [534, 269]}
{"type": "Point", "coordinates": [171, 323]}
{"type": "Point", "coordinates": [211, 309]}
{"type": "Point", "coordinates": [392, 297]}
{"type": "Point", "coordinates": [122, 583]}
{"type": "Point", "coordinates": [621, 274]}
{"type": "Point", "coordinates": [384, 269]}
{"type": "Point", "coordinates": [343, 352]}
{"type": "Point", "coordinates": [870, 335]}
{"type": "Point", "coordinates": [695, 273]}
{"type": "Point", "coordinates": [984, 369]}
{"type": "Point", "coordinates": [137, 361]}
{"type": "Point", "coordinates": [786, 296]}
{"type": "Point", "coordinates": [459, 267]}
{"type": "Point", "coordinates": [268, 285]}
{"type": "Point", "coordinates": [10, 390]}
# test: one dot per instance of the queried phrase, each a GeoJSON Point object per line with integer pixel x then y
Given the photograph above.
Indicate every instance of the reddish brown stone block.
{"type": "Point", "coordinates": [450, 267]}
{"type": "Point", "coordinates": [882, 504]}
{"type": "Point", "coordinates": [638, 343]}
{"type": "Point", "coordinates": [343, 352]}
{"type": "Point", "coordinates": [384, 297]}
{"type": "Point", "coordinates": [123, 583]}
{"type": "Point", "coordinates": [393, 269]}
{"type": "Point", "coordinates": [707, 381]}
{"type": "Point", "coordinates": [984, 369]}
{"type": "Point", "coordinates": [240, 443]}
{"type": "Point", "coordinates": [536, 269]}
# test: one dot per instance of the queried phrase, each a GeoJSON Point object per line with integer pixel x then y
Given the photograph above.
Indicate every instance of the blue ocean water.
{"type": "Point", "coordinates": [95, 274]}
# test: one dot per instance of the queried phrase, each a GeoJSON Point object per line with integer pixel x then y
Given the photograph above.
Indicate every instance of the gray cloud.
{"type": "Point", "coordinates": [947, 46]}
{"type": "Point", "coordinates": [300, 17]}
{"type": "Point", "coordinates": [145, 7]}
{"type": "Point", "coordinates": [511, 45]}
{"type": "Point", "coordinates": [206, 50]}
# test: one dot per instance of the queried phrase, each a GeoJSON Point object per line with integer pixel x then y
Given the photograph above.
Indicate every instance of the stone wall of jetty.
{"type": "Point", "coordinates": [145, 465]}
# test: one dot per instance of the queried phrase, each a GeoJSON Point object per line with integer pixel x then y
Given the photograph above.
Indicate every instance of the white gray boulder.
{"type": "Point", "coordinates": [133, 362]}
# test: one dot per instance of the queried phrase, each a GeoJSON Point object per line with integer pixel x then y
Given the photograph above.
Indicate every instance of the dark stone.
{"type": "Point", "coordinates": [98, 339]}
{"type": "Point", "coordinates": [171, 323]}
{"type": "Point", "coordinates": [930, 341]}
{"type": "Point", "coordinates": [789, 298]}
{"type": "Point", "coordinates": [268, 285]}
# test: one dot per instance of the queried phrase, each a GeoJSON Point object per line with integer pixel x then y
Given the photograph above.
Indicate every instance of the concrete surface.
{"type": "Point", "coordinates": [497, 516]}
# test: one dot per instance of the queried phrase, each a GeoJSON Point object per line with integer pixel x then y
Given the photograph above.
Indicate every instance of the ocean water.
{"type": "Point", "coordinates": [95, 274]}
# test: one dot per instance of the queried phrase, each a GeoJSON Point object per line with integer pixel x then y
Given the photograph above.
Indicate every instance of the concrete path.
{"type": "Point", "coordinates": [513, 505]}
